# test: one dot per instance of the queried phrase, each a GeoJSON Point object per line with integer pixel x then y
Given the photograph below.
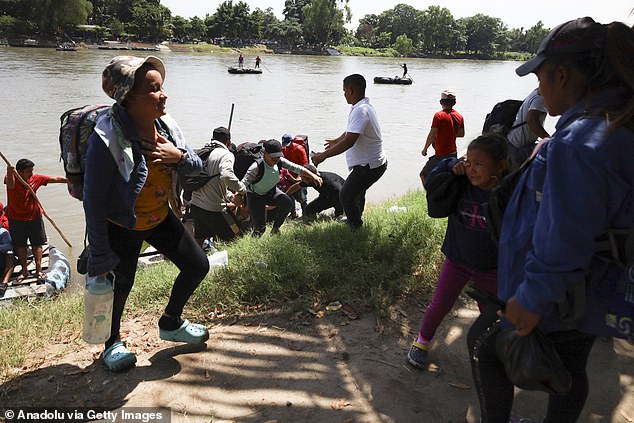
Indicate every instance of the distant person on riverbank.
{"type": "Point", "coordinates": [404, 66]}
{"type": "Point", "coordinates": [527, 128]}
{"type": "Point", "coordinates": [209, 201]}
{"type": "Point", "coordinates": [470, 252]}
{"type": "Point", "coordinates": [132, 161]}
{"type": "Point", "coordinates": [241, 61]}
{"type": "Point", "coordinates": [554, 274]}
{"type": "Point", "coordinates": [257, 62]}
{"type": "Point", "coordinates": [25, 213]}
{"type": "Point", "coordinates": [446, 126]}
{"type": "Point", "coordinates": [363, 146]}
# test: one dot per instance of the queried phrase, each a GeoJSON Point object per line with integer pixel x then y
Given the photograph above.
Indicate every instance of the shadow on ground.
{"type": "Point", "coordinates": [298, 368]}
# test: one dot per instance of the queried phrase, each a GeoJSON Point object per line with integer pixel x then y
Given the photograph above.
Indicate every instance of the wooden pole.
{"type": "Point", "coordinates": [231, 116]}
{"type": "Point", "coordinates": [23, 182]}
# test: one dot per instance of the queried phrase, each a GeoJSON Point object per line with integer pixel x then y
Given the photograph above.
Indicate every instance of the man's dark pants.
{"type": "Point", "coordinates": [353, 191]}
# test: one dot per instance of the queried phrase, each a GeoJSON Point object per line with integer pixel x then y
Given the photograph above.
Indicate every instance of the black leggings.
{"type": "Point", "coordinates": [495, 391]}
{"type": "Point", "coordinates": [170, 239]}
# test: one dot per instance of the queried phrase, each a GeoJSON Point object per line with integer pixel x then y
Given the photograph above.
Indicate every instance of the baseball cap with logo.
{"type": "Point", "coordinates": [576, 36]}
{"type": "Point", "coordinates": [117, 78]}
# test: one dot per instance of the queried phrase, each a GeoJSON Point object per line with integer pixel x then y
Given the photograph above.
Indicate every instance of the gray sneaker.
{"type": "Point", "coordinates": [418, 355]}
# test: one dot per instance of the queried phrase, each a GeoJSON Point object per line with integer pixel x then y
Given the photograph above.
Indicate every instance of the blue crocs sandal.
{"type": "Point", "coordinates": [118, 358]}
{"type": "Point", "coordinates": [190, 333]}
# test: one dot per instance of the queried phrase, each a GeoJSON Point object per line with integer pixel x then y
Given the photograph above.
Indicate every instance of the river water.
{"type": "Point", "coordinates": [295, 94]}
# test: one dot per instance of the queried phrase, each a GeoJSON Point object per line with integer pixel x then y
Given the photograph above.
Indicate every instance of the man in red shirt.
{"type": "Point", "coordinates": [25, 213]}
{"type": "Point", "coordinates": [447, 125]}
{"type": "Point", "coordinates": [297, 154]}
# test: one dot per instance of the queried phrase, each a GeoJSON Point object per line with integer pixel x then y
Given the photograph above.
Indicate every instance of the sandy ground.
{"type": "Point", "coordinates": [338, 367]}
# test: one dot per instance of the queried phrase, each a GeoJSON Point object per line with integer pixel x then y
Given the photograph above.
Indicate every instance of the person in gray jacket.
{"type": "Point", "coordinates": [209, 201]}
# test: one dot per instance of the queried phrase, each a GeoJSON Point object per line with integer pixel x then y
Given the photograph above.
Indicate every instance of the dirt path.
{"type": "Point", "coordinates": [301, 368]}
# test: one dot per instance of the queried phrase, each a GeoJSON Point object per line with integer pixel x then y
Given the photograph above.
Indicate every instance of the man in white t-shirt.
{"type": "Point", "coordinates": [364, 150]}
{"type": "Point", "coordinates": [528, 127]}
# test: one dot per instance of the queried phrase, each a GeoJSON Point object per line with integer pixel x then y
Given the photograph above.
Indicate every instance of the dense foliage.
{"type": "Point", "coordinates": [311, 23]}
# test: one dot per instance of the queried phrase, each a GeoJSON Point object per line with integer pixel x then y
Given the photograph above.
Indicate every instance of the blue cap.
{"type": "Point", "coordinates": [286, 139]}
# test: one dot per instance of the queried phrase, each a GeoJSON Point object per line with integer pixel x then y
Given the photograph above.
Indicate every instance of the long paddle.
{"type": "Point", "coordinates": [264, 66]}
{"type": "Point", "coordinates": [231, 116]}
{"type": "Point", "coordinates": [23, 182]}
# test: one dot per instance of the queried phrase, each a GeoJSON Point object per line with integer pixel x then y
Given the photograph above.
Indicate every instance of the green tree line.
{"type": "Point", "coordinates": [312, 23]}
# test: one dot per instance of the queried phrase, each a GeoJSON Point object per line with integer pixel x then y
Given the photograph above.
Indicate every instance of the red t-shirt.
{"type": "Point", "coordinates": [20, 202]}
{"type": "Point", "coordinates": [296, 154]}
{"type": "Point", "coordinates": [4, 221]}
{"type": "Point", "coordinates": [447, 122]}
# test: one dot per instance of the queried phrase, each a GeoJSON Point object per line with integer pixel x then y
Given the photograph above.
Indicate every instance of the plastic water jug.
{"type": "Point", "coordinates": [218, 259]}
{"type": "Point", "coordinates": [98, 300]}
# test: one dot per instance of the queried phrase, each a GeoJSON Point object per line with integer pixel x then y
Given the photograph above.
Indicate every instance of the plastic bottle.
{"type": "Point", "coordinates": [98, 300]}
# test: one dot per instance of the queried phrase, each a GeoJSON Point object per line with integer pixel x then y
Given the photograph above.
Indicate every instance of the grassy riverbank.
{"type": "Point", "coordinates": [395, 254]}
{"type": "Point", "coordinates": [344, 50]}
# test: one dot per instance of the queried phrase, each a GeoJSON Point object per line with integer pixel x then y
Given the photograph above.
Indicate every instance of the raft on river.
{"type": "Point", "coordinates": [396, 80]}
{"type": "Point", "coordinates": [56, 269]}
{"type": "Point", "coordinates": [242, 71]}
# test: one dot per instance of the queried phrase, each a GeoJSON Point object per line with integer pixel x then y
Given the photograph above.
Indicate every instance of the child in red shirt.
{"type": "Point", "coordinates": [24, 213]}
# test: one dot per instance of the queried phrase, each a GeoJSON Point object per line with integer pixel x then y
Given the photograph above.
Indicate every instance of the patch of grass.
{"type": "Point", "coordinates": [28, 326]}
{"type": "Point", "coordinates": [395, 253]}
{"type": "Point", "coordinates": [214, 48]}
{"type": "Point", "coordinates": [365, 51]}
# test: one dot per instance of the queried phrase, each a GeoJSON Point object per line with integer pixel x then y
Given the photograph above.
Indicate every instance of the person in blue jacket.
{"type": "Point", "coordinates": [132, 162]}
{"type": "Point", "coordinates": [580, 183]}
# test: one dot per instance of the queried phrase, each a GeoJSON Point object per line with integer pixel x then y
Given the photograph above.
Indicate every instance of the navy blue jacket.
{"type": "Point", "coordinates": [580, 184]}
{"type": "Point", "coordinates": [107, 194]}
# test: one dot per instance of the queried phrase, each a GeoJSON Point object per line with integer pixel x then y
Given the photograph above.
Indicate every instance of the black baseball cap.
{"type": "Point", "coordinates": [273, 148]}
{"type": "Point", "coordinates": [576, 36]}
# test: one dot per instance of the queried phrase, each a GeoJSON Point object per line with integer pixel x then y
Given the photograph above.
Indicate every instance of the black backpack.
{"type": "Point", "coordinates": [193, 182]}
{"type": "Point", "coordinates": [500, 119]}
{"type": "Point", "coordinates": [245, 154]}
